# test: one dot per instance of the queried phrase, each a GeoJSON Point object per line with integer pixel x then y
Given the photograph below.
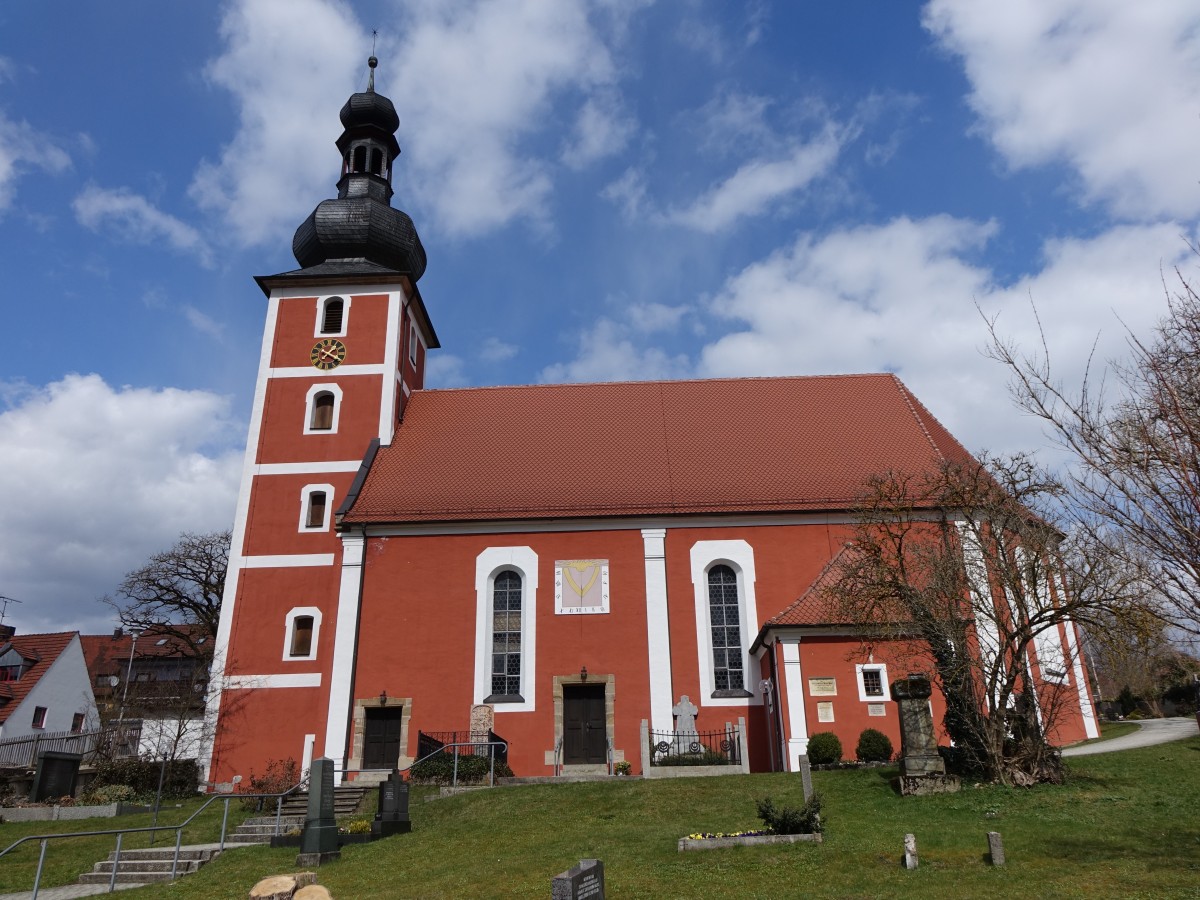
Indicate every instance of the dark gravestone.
{"type": "Point", "coordinates": [55, 776]}
{"type": "Point", "coordinates": [319, 842]}
{"type": "Point", "coordinates": [392, 817]}
{"type": "Point", "coordinates": [583, 882]}
{"type": "Point", "coordinates": [806, 776]}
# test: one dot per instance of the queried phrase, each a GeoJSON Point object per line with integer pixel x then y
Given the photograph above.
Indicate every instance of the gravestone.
{"type": "Point", "coordinates": [582, 882]}
{"type": "Point", "coordinates": [806, 776]}
{"type": "Point", "coordinates": [319, 841]}
{"type": "Point", "coordinates": [483, 720]}
{"type": "Point", "coordinates": [392, 817]}
{"type": "Point", "coordinates": [686, 739]}
{"type": "Point", "coordinates": [922, 770]}
{"type": "Point", "coordinates": [995, 848]}
{"type": "Point", "coordinates": [55, 775]}
{"type": "Point", "coordinates": [910, 851]}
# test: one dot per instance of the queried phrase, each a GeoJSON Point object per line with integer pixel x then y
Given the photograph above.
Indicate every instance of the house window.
{"type": "Point", "coordinates": [332, 316]}
{"type": "Point", "coordinates": [315, 504]}
{"type": "Point", "coordinates": [302, 629]}
{"type": "Point", "coordinates": [10, 673]}
{"type": "Point", "coordinates": [724, 622]}
{"type": "Point", "coordinates": [77, 723]}
{"type": "Point", "coordinates": [872, 682]}
{"type": "Point", "coordinates": [506, 636]}
{"type": "Point", "coordinates": [39, 717]}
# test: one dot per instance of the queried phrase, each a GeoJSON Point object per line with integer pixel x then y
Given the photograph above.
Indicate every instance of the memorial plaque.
{"type": "Point", "coordinates": [822, 687]}
{"type": "Point", "coordinates": [825, 712]}
{"type": "Point", "coordinates": [876, 709]}
{"type": "Point", "coordinates": [583, 882]}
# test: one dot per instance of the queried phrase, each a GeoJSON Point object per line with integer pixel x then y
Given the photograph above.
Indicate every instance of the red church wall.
{"type": "Point", "coordinates": [273, 520]}
{"type": "Point", "coordinates": [264, 724]}
{"type": "Point", "coordinates": [283, 438]}
{"type": "Point", "coordinates": [265, 596]}
{"type": "Point", "coordinates": [297, 326]}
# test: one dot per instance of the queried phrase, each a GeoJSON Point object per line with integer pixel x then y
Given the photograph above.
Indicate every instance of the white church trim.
{"type": "Point", "coordinates": [493, 560]}
{"type": "Point", "coordinates": [793, 685]}
{"type": "Point", "coordinates": [346, 628]}
{"type": "Point", "coordinates": [658, 629]}
{"type": "Point", "coordinates": [739, 556]}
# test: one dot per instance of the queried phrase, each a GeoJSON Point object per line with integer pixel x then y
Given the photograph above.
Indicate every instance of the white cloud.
{"type": "Point", "coordinates": [135, 219]}
{"type": "Point", "coordinates": [289, 65]}
{"type": "Point", "coordinates": [203, 322]}
{"type": "Point", "coordinates": [445, 370]}
{"type": "Point", "coordinates": [601, 129]}
{"type": "Point", "coordinates": [1109, 87]}
{"type": "Point", "coordinates": [759, 183]}
{"type": "Point", "coordinates": [480, 79]}
{"type": "Point", "coordinates": [628, 192]}
{"type": "Point", "coordinates": [495, 350]}
{"type": "Point", "coordinates": [606, 352]}
{"type": "Point", "coordinates": [22, 148]}
{"type": "Point", "coordinates": [103, 477]}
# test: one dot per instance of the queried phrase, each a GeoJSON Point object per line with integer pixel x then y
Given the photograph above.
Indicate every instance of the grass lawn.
{"type": "Point", "coordinates": [1126, 825]}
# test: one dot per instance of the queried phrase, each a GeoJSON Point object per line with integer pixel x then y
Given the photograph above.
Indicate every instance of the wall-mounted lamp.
{"type": "Point", "coordinates": [383, 697]}
{"type": "Point", "coordinates": [583, 673]}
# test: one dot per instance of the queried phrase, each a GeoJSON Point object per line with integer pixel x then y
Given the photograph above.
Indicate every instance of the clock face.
{"type": "Point", "coordinates": [328, 354]}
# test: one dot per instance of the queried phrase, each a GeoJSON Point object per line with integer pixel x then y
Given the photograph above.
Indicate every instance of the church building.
{"type": "Point", "coordinates": [404, 558]}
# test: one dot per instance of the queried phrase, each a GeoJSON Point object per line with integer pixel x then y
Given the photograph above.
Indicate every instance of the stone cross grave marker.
{"type": "Point", "coordinates": [685, 724]}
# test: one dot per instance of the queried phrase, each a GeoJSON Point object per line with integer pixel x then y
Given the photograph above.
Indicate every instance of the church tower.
{"type": "Point", "coordinates": [343, 347]}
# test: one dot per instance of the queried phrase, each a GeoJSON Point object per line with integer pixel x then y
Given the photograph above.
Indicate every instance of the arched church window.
{"type": "Point", "coordinates": [506, 636]}
{"type": "Point", "coordinates": [322, 412]}
{"type": "Point", "coordinates": [725, 627]}
{"type": "Point", "coordinates": [316, 510]}
{"type": "Point", "coordinates": [331, 317]}
{"type": "Point", "coordinates": [360, 159]}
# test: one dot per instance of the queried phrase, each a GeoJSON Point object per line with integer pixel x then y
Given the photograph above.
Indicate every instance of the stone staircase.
{"type": "Point", "coordinates": [258, 830]}
{"type": "Point", "coordinates": [346, 799]}
{"type": "Point", "coordinates": [150, 866]}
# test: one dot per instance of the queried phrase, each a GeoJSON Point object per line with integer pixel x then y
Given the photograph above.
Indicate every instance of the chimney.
{"type": "Point", "coordinates": [118, 633]}
{"type": "Point", "coordinates": [7, 631]}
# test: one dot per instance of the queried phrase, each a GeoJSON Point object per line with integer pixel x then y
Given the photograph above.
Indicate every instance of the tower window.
{"type": "Point", "coordinates": [316, 509]}
{"type": "Point", "coordinates": [315, 503]}
{"type": "Point", "coordinates": [331, 320]}
{"type": "Point", "coordinates": [302, 633]}
{"type": "Point", "coordinates": [322, 416]}
{"type": "Point", "coordinates": [376, 162]}
{"type": "Point", "coordinates": [360, 159]}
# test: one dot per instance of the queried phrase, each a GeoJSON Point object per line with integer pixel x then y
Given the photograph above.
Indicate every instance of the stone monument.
{"type": "Point", "coordinates": [392, 817]}
{"type": "Point", "coordinates": [319, 841]}
{"type": "Point", "coordinates": [686, 739]}
{"type": "Point", "coordinates": [55, 775]}
{"type": "Point", "coordinates": [582, 882]}
{"type": "Point", "coordinates": [922, 770]}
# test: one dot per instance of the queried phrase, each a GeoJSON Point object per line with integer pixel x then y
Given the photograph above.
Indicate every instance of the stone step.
{"type": "Point", "coordinates": [284, 821]}
{"type": "Point", "coordinates": [266, 829]}
{"type": "Point", "coordinates": [150, 865]}
{"type": "Point", "coordinates": [124, 877]}
{"type": "Point", "coordinates": [157, 853]}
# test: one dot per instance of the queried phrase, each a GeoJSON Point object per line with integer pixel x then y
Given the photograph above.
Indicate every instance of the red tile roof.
{"type": "Point", "coordinates": [107, 654]}
{"type": "Point", "coordinates": [44, 649]}
{"type": "Point", "coordinates": [648, 448]}
{"type": "Point", "coordinates": [816, 606]}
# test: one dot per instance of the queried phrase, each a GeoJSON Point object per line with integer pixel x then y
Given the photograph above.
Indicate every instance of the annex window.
{"type": "Point", "coordinates": [506, 636]}
{"type": "Point", "coordinates": [872, 682]}
{"type": "Point", "coordinates": [39, 717]}
{"type": "Point", "coordinates": [332, 316]}
{"type": "Point", "coordinates": [77, 723]}
{"type": "Point", "coordinates": [725, 625]}
{"type": "Point", "coordinates": [316, 502]}
{"type": "Point", "coordinates": [301, 632]}
{"type": "Point", "coordinates": [323, 409]}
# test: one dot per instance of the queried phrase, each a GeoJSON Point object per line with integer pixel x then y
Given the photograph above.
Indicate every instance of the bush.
{"type": "Point", "coordinates": [280, 775]}
{"type": "Point", "coordinates": [439, 769]}
{"type": "Point", "coordinates": [873, 746]}
{"type": "Point", "coordinates": [180, 780]}
{"type": "Point", "coordinates": [705, 758]}
{"type": "Point", "coordinates": [824, 748]}
{"type": "Point", "coordinates": [788, 819]}
{"type": "Point", "coordinates": [107, 793]}
{"type": "Point", "coordinates": [358, 826]}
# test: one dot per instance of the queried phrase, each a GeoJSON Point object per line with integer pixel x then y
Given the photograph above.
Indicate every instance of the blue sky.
{"type": "Point", "coordinates": [607, 190]}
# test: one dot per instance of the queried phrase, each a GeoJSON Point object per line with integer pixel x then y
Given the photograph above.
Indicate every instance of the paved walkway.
{"type": "Point", "coordinates": [1149, 733]}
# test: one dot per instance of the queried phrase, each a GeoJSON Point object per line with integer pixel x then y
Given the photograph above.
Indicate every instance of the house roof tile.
{"type": "Point", "coordinates": [43, 649]}
{"type": "Point", "coordinates": [648, 448]}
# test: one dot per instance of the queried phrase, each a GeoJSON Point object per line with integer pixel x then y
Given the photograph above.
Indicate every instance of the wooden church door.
{"type": "Point", "coordinates": [381, 738]}
{"type": "Point", "coordinates": [584, 724]}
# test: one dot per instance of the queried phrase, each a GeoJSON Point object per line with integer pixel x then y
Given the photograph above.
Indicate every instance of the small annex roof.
{"type": "Point", "coordinates": [39, 649]}
{"type": "Point", "coordinates": [647, 448]}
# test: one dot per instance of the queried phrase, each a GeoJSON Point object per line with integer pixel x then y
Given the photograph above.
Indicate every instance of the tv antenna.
{"type": "Point", "coordinates": [4, 601]}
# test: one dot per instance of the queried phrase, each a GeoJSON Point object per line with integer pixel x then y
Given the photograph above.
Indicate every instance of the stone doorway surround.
{"type": "Point", "coordinates": [609, 682]}
{"type": "Point", "coordinates": [360, 727]}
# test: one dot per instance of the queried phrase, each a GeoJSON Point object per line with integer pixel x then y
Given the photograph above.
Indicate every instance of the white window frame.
{"type": "Point", "coordinates": [289, 629]}
{"type": "Point", "coordinates": [881, 668]}
{"type": "Point", "coordinates": [414, 340]}
{"type": "Point", "coordinates": [739, 556]}
{"type": "Point", "coordinates": [488, 564]}
{"type": "Point", "coordinates": [322, 302]}
{"type": "Point", "coordinates": [306, 493]}
{"type": "Point", "coordinates": [310, 400]}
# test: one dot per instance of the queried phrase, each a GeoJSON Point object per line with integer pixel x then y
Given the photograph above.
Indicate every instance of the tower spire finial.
{"type": "Point", "coordinates": [372, 62]}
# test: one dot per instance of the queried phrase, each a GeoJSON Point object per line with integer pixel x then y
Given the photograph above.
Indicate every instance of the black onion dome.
{"type": "Point", "coordinates": [369, 108]}
{"type": "Point", "coordinates": [360, 228]}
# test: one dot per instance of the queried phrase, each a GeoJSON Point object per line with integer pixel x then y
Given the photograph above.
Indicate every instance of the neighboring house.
{"type": "Point", "coordinates": [578, 558]}
{"type": "Point", "coordinates": [44, 685]}
{"type": "Point", "coordinates": [153, 678]}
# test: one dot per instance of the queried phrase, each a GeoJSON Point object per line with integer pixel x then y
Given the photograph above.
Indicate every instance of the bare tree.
{"type": "Point", "coordinates": [1135, 440]}
{"type": "Point", "coordinates": [966, 563]}
{"type": "Point", "coordinates": [178, 592]}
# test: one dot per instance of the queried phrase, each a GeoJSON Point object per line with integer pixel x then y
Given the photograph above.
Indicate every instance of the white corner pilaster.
{"type": "Point", "coordinates": [793, 681]}
{"type": "Point", "coordinates": [658, 628]}
{"type": "Point", "coordinates": [341, 677]}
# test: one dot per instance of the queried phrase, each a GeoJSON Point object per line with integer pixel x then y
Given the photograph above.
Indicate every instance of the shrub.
{"type": "Point", "coordinates": [439, 769]}
{"type": "Point", "coordinates": [824, 748]}
{"type": "Point", "coordinates": [358, 826]}
{"type": "Point", "coordinates": [788, 819]}
{"type": "Point", "coordinates": [873, 746]}
{"type": "Point", "coordinates": [180, 779]}
{"type": "Point", "coordinates": [624, 767]}
{"type": "Point", "coordinates": [280, 775]}
{"type": "Point", "coordinates": [704, 758]}
{"type": "Point", "coordinates": [107, 793]}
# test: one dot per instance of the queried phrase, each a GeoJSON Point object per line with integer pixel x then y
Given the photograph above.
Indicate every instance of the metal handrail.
{"type": "Point", "coordinates": [178, 829]}
{"type": "Point", "coordinates": [557, 754]}
{"type": "Point", "coordinates": [491, 745]}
